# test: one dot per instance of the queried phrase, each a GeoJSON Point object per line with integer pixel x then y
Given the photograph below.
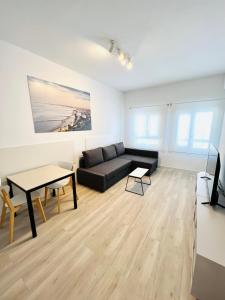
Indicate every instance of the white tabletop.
{"type": "Point", "coordinates": [139, 172]}
{"type": "Point", "coordinates": [36, 177]}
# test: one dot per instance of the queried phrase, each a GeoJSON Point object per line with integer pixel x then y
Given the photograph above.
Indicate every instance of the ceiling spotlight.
{"type": "Point", "coordinates": [112, 46]}
{"type": "Point", "coordinates": [123, 57]}
{"type": "Point", "coordinates": [124, 61]}
{"type": "Point", "coordinates": [129, 65]}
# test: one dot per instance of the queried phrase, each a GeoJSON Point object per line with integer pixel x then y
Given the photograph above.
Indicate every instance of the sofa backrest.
{"type": "Point", "coordinates": [147, 153]}
{"type": "Point", "coordinates": [109, 152]}
{"type": "Point", "coordinates": [120, 150]}
{"type": "Point", "coordinates": [81, 162]}
{"type": "Point", "coordinates": [93, 157]}
{"type": "Point", "coordinates": [99, 155]}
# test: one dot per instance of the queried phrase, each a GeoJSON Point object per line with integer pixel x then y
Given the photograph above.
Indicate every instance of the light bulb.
{"type": "Point", "coordinates": [129, 65]}
{"type": "Point", "coordinates": [121, 56]}
{"type": "Point", "coordinates": [123, 62]}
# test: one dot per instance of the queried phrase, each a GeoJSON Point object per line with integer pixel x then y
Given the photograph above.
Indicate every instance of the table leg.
{"type": "Point", "coordinates": [142, 187]}
{"type": "Point", "coordinates": [150, 182]}
{"type": "Point", "coordinates": [10, 188]}
{"type": "Point", "coordinates": [127, 183]}
{"type": "Point", "coordinates": [74, 191]}
{"type": "Point", "coordinates": [135, 180]}
{"type": "Point", "coordinates": [31, 214]}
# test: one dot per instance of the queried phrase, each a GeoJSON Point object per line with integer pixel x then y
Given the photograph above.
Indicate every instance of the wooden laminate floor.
{"type": "Point", "coordinates": [116, 245]}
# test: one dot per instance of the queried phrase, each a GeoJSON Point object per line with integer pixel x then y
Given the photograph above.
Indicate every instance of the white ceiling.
{"type": "Point", "coordinates": [169, 40]}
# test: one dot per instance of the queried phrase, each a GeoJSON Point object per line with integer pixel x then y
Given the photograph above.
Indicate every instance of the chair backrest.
{"type": "Point", "coordinates": [4, 190]}
{"type": "Point", "coordinates": [66, 165]}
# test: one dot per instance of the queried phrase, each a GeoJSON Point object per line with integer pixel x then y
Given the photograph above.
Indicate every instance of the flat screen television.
{"type": "Point", "coordinates": [212, 174]}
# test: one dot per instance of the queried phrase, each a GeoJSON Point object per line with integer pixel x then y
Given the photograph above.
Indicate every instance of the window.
{"type": "Point", "coordinates": [183, 129]}
{"type": "Point", "coordinates": [140, 125]}
{"type": "Point", "coordinates": [147, 129]}
{"type": "Point", "coordinates": [202, 130]}
{"type": "Point", "coordinates": [193, 131]}
{"type": "Point", "coordinates": [180, 127]}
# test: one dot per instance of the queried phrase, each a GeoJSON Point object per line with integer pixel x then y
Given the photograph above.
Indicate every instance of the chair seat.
{"type": "Point", "coordinates": [20, 199]}
{"type": "Point", "coordinates": [13, 204]}
{"type": "Point", "coordinates": [59, 184]}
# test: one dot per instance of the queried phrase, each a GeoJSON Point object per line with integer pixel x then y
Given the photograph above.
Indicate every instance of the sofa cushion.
{"type": "Point", "coordinates": [120, 148]}
{"type": "Point", "coordinates": [109, 152]}
{"type": "Point", "coordinates": [112, 167]}
{"type": "Point", "coordinates": [93, 157]}
{"type": "Point", "coordinates": [141, 161]}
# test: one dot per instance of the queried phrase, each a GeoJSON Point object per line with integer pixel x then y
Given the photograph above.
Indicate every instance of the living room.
{"type": "Point", "coordinates": [112, 116]}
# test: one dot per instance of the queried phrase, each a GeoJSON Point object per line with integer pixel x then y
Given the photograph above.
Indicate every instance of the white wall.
{"type": "Point", "coordinates": [16, 123]}
{"type": "Point", "coordinates": [222, 154]}
{"type": "Point", "coordinates": [185, 91]}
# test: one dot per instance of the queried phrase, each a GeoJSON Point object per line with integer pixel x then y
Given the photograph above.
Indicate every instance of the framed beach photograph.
{"type": "Point", "coordinates": [58, 108]}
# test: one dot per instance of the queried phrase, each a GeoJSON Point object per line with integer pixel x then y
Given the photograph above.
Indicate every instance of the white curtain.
{"type": "Point", "coordinates": [180, 127]}
{"type": "Point", "coordinates": [147, 127]}
{"type": "Point", "coordinates": [195, 125]}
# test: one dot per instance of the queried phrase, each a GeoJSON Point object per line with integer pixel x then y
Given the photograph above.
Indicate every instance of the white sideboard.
{"type": "Point", "coordinates": [208, 281]}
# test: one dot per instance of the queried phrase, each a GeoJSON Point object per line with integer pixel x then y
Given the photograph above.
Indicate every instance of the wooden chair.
{"type": "Point", "coordinates": [14, 204]}
{"type": "Point", "coordinates": [59, 185]}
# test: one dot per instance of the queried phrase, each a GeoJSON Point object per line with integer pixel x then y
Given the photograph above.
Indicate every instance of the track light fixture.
{"type": "Point", "coordinates": [129, 64]}
{"type": "Point", "coordinates": [123, 57]}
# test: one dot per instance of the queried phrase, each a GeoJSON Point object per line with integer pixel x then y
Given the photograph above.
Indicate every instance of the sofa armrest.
{"type": "Point", "coordinates": [147, 153]}
{"type": "Point", "coordinates": [91, 179]}
{"type": "Point", "coordinates": [81, 162]}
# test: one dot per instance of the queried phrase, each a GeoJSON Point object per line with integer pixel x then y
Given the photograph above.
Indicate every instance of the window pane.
{"type": "Point", "coordinates": [202, 127]}
{"type": "Point", "coordinates": [183, 129]}
{"type": "Point", "coordinates": [202, 130]}
{"type": "Point", "coordinates": [140, 125]}
{"type": "Point", "coordinates": [153, 125]}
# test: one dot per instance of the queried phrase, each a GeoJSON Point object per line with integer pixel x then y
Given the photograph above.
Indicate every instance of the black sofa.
{"type": "Point", "coordinates": [100, 168]}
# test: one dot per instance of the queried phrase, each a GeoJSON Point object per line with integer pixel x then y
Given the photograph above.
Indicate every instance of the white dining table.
{"type": "Point", "coordinates": [34, 179]}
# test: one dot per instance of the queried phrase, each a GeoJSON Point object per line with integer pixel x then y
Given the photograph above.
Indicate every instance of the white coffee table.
{"type": "Point", "coordinates": [138, 174]}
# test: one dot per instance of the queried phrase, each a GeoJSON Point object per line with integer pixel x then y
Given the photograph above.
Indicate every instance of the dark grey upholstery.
{"type": "Point", "coordinates": [138, 158]}
{"type": "Point", "coordinates": [141, 161]}
{"type": "Point", "coordinates": [120, 148]}
{"type": "Point", "coordinates": [109, 152]}
{"type": "Point", "coordinates": [112, 167]}
{"type": "Point", "coordinates": [104, 174]}
{"type": "Point", "coordinates": [91, 179]}
{"type": "Point", "coordinates": [92, 157]}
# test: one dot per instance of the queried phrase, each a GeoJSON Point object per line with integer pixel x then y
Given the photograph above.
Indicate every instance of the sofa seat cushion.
{"type": "Point", "coordinates": [141, 161]}
{"type": "Point", "coordinates": [112, 167]}
{"type": "Point", "coordinates": [109, 152]}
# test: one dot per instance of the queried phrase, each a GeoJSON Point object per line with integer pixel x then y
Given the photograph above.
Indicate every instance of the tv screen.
{"type": "Point", "coordinates": [212, 172]}
{"type": "Point", "coordinates": [212, 161]}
